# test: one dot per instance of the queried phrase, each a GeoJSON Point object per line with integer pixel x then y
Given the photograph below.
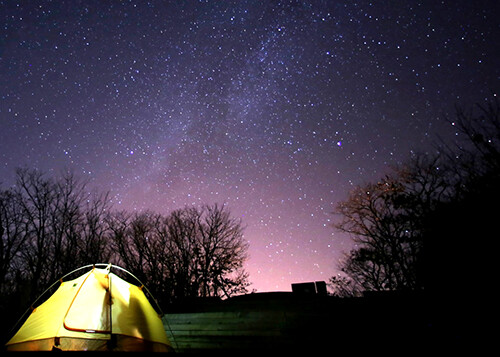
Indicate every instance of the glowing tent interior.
{"type": "Point", "coordinates": [96, 311]}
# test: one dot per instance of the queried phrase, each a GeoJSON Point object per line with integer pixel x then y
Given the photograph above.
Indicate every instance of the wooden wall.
{"type": "Point", "coordinates": [271, 321]}
{"type": "Point", "coordinates": [296, 323]}
{"type": "Point", "coordinates": [226, 330]}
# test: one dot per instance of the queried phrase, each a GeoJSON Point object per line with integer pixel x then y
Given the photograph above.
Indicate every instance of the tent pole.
{"type": "Point", "coordinates": [112, 338]}
{"type": "Point", "coordinates": [140, 282]}
{"type": "Point", "coordinates": [74, 271]}
{"type": "Point", "coordinates": [32, 306]}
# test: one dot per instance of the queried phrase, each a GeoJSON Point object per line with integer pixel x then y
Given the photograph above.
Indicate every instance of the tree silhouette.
{"type": "Point", "coordinates": [460, 236]}
{"type": "Point", "coordinates": [189, 253]}
{"type": "Point", "coordinates": [12, 237]}
{"type": "Point", "coordinates": [48, 227]}
{"type": "Point", "coordinates": [51, 225]}
{"type": "Point", "coordinates": [384, 220]}
{"type": "Point", "coordinates": [412, 228]}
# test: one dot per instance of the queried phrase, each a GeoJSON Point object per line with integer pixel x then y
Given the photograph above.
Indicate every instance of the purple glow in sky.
{"type": "Point", "coordinates": [275, 108]}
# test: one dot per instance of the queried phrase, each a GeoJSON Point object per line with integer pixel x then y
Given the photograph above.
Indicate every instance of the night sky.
{"type": "Point", "coordinates": [275, 108]}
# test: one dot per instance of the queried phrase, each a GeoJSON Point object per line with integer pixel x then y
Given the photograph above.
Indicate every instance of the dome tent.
{"type": "Point", "coordinates": [96, 311]}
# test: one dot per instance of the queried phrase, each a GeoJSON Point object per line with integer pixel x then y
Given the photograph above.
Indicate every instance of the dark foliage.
{"type": "Point", "coordinates": [422, 226]}
{"type": "Point", "coordinates": [430, 227]}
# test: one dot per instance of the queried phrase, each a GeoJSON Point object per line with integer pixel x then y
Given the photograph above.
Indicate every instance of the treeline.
{"type": "Point", "coordinates": [50, 226]}
{"type": "Point", "coordinates": [431, 224]}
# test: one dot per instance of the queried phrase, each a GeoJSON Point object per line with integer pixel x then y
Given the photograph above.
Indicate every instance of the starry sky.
{"type": "Point", "coordinates": [275, 108]}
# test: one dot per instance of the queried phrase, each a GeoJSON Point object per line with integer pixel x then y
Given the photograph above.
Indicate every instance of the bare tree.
{"type": "Point", "coordinates": [136, 242]}
{"type": "Point", "coordinates": [12, 235]}
{"type": "Point", "coordinates": [414, 224]}
{"type": "Point", "coordinates": [206, 252]}
{"type": "Point", "coordinates": [222, 253]}
{"type": "Point", "coordinates": [385, 220]}
{"type": "Point", "coordinates": [61, 225]}
{"type": "Point", "coordinates": [36, 196]}
{"type": "Point", "coordinates": [180, 237]}
{"type": "Point", "coordinates": [479, 151]}
{"type": "Point", "coordinates": [65, 219]}
{"type": "Point", "coordinates": [93, 244]}
{"type": "Point", "coordinates": [189, 253]}
{"type": "Point", "coordinates": [343, 286]}
{"type": "Point", "coordinates": [50, 226]}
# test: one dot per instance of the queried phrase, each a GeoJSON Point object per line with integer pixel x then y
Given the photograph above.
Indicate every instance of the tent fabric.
{"type": "Point", "coordinates": [96, 311]}
{"type": "Point", "coordinates": [121, 343]}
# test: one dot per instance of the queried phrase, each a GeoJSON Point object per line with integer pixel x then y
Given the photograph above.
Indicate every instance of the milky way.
{"type": "Point", "coordinates": [275, 108]}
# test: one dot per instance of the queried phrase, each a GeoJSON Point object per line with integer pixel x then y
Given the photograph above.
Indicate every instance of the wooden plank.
{"type": "Point", "coordinates": [224, 330]}
{"type": "Point", "coordinates": [226, 315]}
{"type": "Point", "coordinates": [221, 327]}
{"type": "Point", "coordinates": [242, 343]}
{"type": "Point", "coordinates": [184, 333]}
{"type": "Point", "coordinates": [253, 321]}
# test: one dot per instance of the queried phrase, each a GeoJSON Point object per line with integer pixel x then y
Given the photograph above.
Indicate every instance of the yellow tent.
{"type": "Point", "coordinates": [97, 311]}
